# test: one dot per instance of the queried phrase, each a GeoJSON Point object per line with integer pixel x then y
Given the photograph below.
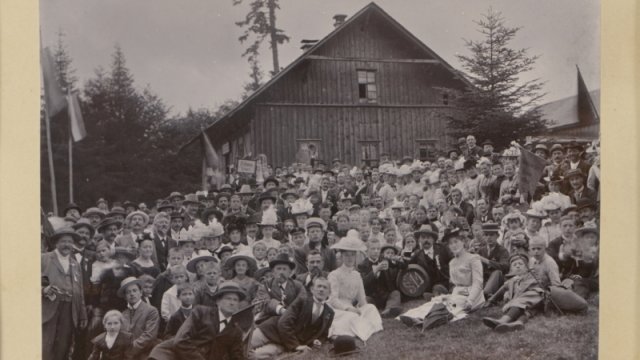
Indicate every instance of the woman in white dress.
{"type": "Point", "coordinates": [353, 316]}
{"type": "Point", "coordinates": [465, 273]}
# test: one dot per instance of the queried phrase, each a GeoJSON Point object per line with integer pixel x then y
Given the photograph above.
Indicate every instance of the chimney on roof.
{"type": "Point", "coordinates": [339, 19]}
{"type": "Point", "coordinates": [306, 44]}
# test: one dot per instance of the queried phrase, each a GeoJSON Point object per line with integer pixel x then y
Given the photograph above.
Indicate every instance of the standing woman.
{"type": "Point", "coordinates": [144, 263]}
{"type": "Point", "coordinates": [62, 299]}
{"type": "Point", "coordinates": [465, 273]}
{"type": "Point", "coordinates": [353, 316]}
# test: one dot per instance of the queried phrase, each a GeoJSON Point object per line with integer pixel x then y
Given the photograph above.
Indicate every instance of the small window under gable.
{"type": "Point", "coordinates": [367, 88]}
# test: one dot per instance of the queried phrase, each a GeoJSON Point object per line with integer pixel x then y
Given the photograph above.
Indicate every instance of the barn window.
{"type": "Point", "coordinates": [426, 149]}
{"type": "Point", "coordinates": [370, 152]}
{"type": "Point", "coordinates": [367, 88]}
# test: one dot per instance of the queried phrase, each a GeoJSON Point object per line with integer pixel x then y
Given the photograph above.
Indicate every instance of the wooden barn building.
{"type": "Point", "coordinates": [368, 87]}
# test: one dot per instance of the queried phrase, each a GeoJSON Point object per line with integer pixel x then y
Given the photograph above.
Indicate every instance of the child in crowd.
{"type": "Point", "coordinates": [112, 344]}
{"type": "Point", "coordinates": [206, 288]}
{"type": "Point", "coordinates": [272, 253]}
{"type": "Point", "coordinates": [186, 295]}
{"type": "Point", "coordinates": [260, 254]}
{"type": "Point", "coordinates": [147, 287]}
{"type": "Point", "coordinates": [521, 293]}
{"type": "Point", "coordinates": [170, 302]}
{"type": "Point", "coordinates": [163, 281]}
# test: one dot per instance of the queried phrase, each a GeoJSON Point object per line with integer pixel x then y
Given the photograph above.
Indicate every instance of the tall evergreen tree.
{"type": "Point", "coordinates": [260, 23]}
{"type": "Point", "coordinates": [502, 106]}
{"type": "Point", "coordinates": [65, 72]}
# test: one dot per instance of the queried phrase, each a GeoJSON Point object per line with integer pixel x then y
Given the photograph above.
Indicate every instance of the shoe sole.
{"type": "Point", "coordinates": [504, 328]}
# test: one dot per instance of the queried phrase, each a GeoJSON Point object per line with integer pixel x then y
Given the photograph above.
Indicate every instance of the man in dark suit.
{"type": "Point", "coordinates": [142, 319]}
{"type": "Point", "coordinates": [574, 152]}
{"type": "Point", "coordinates": [85, 258]}
{"type": "Point", "coordinates": [316, 229]}
{"type": "Point", "coordinates": [433, 258]}
{"type": "Point", "coordinates": [63, 308]}
{"type": "Point", "coordinates": [161, 239]}
{"type": "Point", "coordinates": [579, 191]}
{"type": "Point", "coordinates": [209, 332]}
{"type": "Point", "coordinates": [467, 209]}
{"type": "Point", "coordinates": [315, 264]}
{"type": "Point", "coordinates": [379, 274]}
{"type": "Point", "coordinates": [281, 291]}
{"type": "Point", "coordinates": [304, 325]}
{"type": "Point", "coordinates": [495, 259]}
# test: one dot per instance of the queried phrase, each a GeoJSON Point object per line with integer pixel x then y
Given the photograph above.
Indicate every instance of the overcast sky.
{"type": "Point", "coordinates": [188, 52]}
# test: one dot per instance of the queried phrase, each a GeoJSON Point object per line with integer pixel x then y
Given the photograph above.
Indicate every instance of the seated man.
{"type": "Point", "coordinates": [302, 326]}
{"type": "Point", "coordinates": [315, 264]}
{"type": "Point", "coordinates": [209, 332]}
{"type": "Point", "coordinates": [434, 259]}
{"type": "Point", "coordinates": [495, 259]}
{"type": "Point", "coordinates": [579, 263]}
{"type": "Point", "coordinates": [279, 292]}
{"type": "Point", "coordinates": [142, 319]}
{"type": "Point", "coordinates": [379, 273]}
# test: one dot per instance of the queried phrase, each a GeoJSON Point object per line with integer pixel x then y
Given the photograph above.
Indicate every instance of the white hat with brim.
{"type": "Point", "coordinates": [126, 283]}
{"type": "Point", "coordinates": [351, 242]}
{"type": "Point", "coordinates": [532, 213]}
{"type": "Point", "coordinates": [230, 263]}
{"type": "Point", "coordinates": [192, 264]}
{"type": "Point", "coordinates": [141, 213]}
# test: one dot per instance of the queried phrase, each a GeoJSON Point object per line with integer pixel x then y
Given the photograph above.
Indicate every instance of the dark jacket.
{"type": "Point", "coordinates": [438, 267]}
{"type": "Point", "coordinates": [586, 194]}
{"type": "Point", "coordinates": [143, 325]}
{"type": "Point", "coordinates": [302, 278]}
{"type": "Point", "coordinates": [379, 287]}
{"type": "Point", "coordinates": [121, 349]}
{"type": "Point", "coordinates": [272, 292]}
{"type": "Point", "coordinates": [498, 259]}
{"type": "Point", "coordinates": [294, 327]}
{"type": "Point", "coordinates": [161, 250]}
{"type": "Point", "coordinates": [199, 337]}
{"type": "Point", "coordinates": [70, 282]}
{"type": "Point", "coordinates": [175, 321]}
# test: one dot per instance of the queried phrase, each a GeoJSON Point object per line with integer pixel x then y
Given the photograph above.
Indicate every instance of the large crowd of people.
{"type": "Point", "coordinates": [319, 253]}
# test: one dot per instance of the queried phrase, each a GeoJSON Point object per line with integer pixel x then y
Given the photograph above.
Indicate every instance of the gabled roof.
{"type": "Point", "coordinates": [368, 8]}
{"type": "Point", "coordinates": [564, 112]}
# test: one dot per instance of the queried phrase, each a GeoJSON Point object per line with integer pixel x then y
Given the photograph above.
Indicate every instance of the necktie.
{"type": "Point", "coordinates": [223, 324]}
{"type": "Point", "coordinates": [317, 311]}
{"type": "Point", "coordinates": [283, 296]}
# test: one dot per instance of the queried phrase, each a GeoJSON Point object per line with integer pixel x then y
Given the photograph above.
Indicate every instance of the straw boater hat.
{"type": "Point", "coordinates": [62, 232]}
{"type": "Point", "coordinates": [94, 211]}
{"type": "Point", "coordinates": [351, 242]}
{"type": "Point", "coordinates": [556, 147]}
{"type": "Point", "coordinates": [144, 216]}
{"type": "Point", "coordinates": [315, 221]}
{"type": "Point", "coordinates": [193, 263]}
{"type": "Point", "coordinates": [269, 217]}
{"type": "Point", "coordinates": [126, 283]}
{"type": "Point", "coordinates": [542, 147]}
{"type": "Point", "coordinates": [230, 287]}
{"type": "Point", "coordinates": [245, 190]}
{"type": "Point", "coordinates": [117, 210]}
{"type": "Point", "coordinates": [176, 194]}
{"type": "Point", "coordinates": [282, 259]}
{"type": "Point", "coordinates": [230, 263]}
{"type": "Point", "coordinates": [108, 222]}
{"type": "Point", "coordinates": [426, 229]}
{"type": "Point", "coordinates": [535, 213]}
{"type": "Point", "coordinates": [84, 222]}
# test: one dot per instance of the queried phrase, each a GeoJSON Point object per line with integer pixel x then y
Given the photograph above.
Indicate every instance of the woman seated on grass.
{"type": "Point", "coordinates": [521, 293]}
{"type": "Point", "coordinates": [353, 316]}
{"type": "Point", "coordinates": [465, 272]}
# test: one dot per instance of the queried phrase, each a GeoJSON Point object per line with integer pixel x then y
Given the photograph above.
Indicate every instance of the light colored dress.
{"type": "Point", "coordinates": [347, 290]}
{"type": "Point", "coordinates": [465, 272]}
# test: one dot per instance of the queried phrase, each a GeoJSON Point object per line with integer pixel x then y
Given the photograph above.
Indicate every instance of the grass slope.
{"type": "Point", "coordinates": [546, 336]}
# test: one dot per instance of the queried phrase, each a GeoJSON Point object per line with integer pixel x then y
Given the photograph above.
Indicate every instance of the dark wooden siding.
{"type": "Point", "coordinates": [341, 129]}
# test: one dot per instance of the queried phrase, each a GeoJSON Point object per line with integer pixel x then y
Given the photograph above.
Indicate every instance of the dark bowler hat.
{"type": "Point", "coordinates": [62, 232]}
{"type": "Point", "coordinates": [130, 204]}
{"type": "Point", "coordinates": [487, 142]}
{"type": "Point", "coordinates": [70, 207]}
{"type": "Point", "coordinates": [389, 246]}
{"type": "Point", "coordinates": [176, 194]}
{"type": "Point", "coordinates": [166, 206]}
{"type": "Point", "coordinates": [117, 210]}
{"type": "Point", "coordinates": [344, 345]}
{"type": "Point", "coordinates": [296, 230]}
{"type": "Point", "coordinates": [427, 229]}
{"type": "Point", "coordinates": [266, 196]}
{"type": "Point", "coordinates": [108, 222]}
{"type": "Point", "coordinates": [574, 145]}
{"type": "Point", "coordinates": [542, 147]}
{"type": "Point", "coordinates": [84, 222]}
{"type": "Point", "coordinates": [491, 227]}
{"type": "Point", "coordinates": [271, 180]}
{"type": "Point", "coordinates": [585, 203]}
{"type": "Point", "coordinates": [450, 234]}
{"type": "Point", "coordinates": [282, 259]}
{"type": "Point", "coordinates": [572, 173]}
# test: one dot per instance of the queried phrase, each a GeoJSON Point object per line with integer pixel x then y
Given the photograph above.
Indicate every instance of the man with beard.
{"type": "Point", "coordinates": [161, 240]}
{"type": "Point", "coordinates": [63, 308]}
{"type": "Point", "coordinates": [315, 265]}
{"type": "Point", "coordinates": [302, 327]}
{"type": "Point", "coordinates": [557, 157]}
{"type": "Point", "coordinates": [433, 258]}
{"type": "Point", "coordinates": [136, 221]}
{"type": "Point", "coordinates": [281, 291]}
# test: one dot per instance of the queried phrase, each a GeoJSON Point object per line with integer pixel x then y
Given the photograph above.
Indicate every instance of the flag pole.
{"type": "Point", "coordinates": [70, 167]}
{"type": "Point", "coordinates": [52, 173]}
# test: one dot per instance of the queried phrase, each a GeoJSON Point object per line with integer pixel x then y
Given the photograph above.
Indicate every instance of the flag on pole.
{"type": "Point", "coordinates": [213, 166]}
{"type": "Point", "coordinates": [530, 171]}
{"type": "Point", "coordinates": [76, 123]}
{"type": "Point", "coordinates": [54, 97]}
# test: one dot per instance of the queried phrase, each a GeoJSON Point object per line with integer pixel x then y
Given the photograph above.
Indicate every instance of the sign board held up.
{"type": "Point", "coordinates": [246, 166]}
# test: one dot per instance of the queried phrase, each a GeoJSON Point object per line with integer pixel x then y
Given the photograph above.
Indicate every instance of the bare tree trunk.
{"type": "Point", "coordinates": [274, 42]}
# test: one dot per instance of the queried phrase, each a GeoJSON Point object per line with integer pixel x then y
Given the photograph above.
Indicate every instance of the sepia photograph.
{"type": "Point", "coordinates": [296, 179]}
